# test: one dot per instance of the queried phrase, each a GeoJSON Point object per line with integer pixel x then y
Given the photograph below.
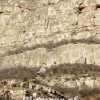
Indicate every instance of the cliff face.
{"type": "Point", "coordinates": [49, 32]}
{"type": "Point", "coordinates": [61, 34]}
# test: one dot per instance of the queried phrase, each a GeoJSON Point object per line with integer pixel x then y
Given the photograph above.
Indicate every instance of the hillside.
{"type": "Point", "coordinates": [61, 36]}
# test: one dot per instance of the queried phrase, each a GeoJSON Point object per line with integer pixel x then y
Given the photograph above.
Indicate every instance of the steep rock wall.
{"type": "Point", "coordinates": [48, 32]}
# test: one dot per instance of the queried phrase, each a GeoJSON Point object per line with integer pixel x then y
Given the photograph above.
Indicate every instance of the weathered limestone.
{"type": "Point", "coordinates": [71, 53]}
{"type": "Point", "coordinates": [33, 33]}
{"type": "Point", "coordinates": [42, 33]}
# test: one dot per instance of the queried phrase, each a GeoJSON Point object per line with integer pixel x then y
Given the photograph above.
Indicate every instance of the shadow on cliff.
{"type": "Point", "coordinates": [51, 45]}
{"type": "Point", "coordinates": [21, 72]}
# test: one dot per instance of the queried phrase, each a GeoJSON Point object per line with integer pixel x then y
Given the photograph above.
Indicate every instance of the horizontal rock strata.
{"type": "Point", "coordinates": [63, 36]}
{"type": "Point", "coordinates": [70, 53]}
{"type": "Point", "coordinates": [37, 33]}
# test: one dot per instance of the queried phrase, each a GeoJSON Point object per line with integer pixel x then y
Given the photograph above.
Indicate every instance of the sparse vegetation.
{"type": "Point", "coordinates": [84, 94]}
{"type": "Point", "coordinates": [25, 73]}
{"type": "Point", "coordinates": [51, 45]}
{"type": "Point", "coordinates": [19, 72]}
{"type": "Point", "coordinates": [89, 91]}
{"type": "Point", "coordinates": [75, 69]}
{"type": "Point", "coordinates": [71, 91]}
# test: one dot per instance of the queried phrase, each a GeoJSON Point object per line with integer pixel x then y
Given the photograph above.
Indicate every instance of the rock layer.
{"type": "Point", "coordinates": [61, 34]}
{"type": "Point", "coordinates": [38, 33]}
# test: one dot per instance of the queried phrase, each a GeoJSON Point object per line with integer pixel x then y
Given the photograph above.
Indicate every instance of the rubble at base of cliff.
{"type": "Point", "coordinates": [56, 82]}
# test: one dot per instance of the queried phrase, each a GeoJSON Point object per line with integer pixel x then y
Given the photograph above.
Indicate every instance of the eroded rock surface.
{"type": "Point", "coordinates": [36, 32]}
{"type": "Point", "coordinates": [50, 33]}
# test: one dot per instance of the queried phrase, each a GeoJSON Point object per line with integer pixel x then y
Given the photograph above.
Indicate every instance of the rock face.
{"type": "Point", "coordinates": [44, 34]}
{"type": "Point", "coordinates": [48, 32]}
